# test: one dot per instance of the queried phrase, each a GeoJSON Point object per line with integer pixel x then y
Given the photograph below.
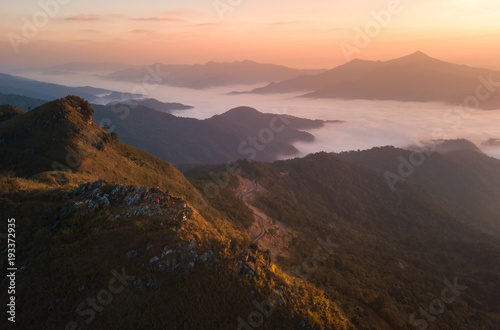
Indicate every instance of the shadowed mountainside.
{"type": "Point", "coordinates": [466, 178]}
{"type": "Point", "coordinates": [237, 134]}
{"type": "Point", "coordinates": [385, 255]}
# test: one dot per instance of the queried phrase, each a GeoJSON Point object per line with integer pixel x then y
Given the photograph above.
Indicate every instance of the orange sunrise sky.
{"type": "Point", "coordinates": [293, 33]}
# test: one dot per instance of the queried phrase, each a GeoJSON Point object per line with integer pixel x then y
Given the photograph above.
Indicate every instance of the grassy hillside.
{"type": "Point", "coordinates": [113, 237]}
{"type": "Point", "coordinates": [392, 250]}
{"type": "Point", "coordinates": [464, 177]}
{"type": "Point", "coordinates": [104, 255]}
{"type": "Point", "coordinates": [58, 143]}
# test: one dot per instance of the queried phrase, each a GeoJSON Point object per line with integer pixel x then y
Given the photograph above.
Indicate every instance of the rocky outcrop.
{"type": "Point", "coordinates": [131, 201]}
{"type": "Point", "coordinates": [174, 260]}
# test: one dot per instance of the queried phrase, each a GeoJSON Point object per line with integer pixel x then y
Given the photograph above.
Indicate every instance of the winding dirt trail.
{"type": "Point", "coordinates": [257, 214]}
{"type": "Point", "coordinates": [270, 234]}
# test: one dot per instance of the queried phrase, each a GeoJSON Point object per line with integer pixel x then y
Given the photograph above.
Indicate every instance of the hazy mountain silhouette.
{"type": "Point", "coordinates": [445, 146]}
{"type": "Point", "coordinates": [211, 74]}
{"type": "Point", "coordinates": [153, 104]}
{"type": "Point", "coordinates": [416, 77]}
{"type": "Point", "coordinates": [78, 67]}
{"type": "Point", "coordinates": [184, 141]}
{"type": "Point", "coordinates": [350, 71]}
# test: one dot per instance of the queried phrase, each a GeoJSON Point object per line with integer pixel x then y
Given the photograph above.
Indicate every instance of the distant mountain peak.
{"type": "Point", "coordinates": [416, 56]}
{"type": "Point", "coordinates": [356, 60]}
{"type": "Point", "coordinates": [419, 54]}
{"type": "Point", "coordinates": [241, 110]}
{"type": "Point", "coordinates": [244, 109]}
{"type": "Point", "coordinates": [445, 146]}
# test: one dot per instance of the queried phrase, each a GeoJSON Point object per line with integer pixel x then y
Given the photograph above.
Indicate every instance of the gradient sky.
{"type": "Point", "coordinates": [294, 33]}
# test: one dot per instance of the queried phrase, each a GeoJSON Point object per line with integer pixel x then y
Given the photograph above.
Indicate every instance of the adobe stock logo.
{"type": "Point", "coordinates": [380, 20]}
{"type": "Point", "coordinates": [256, 318]}
{"type": "Point", "coordinates": [265, 136]}
{"type": "Point", "coordinates": [30, 28]}
{"type": "Point", "coordinates": [222, 7]}
{"type": "Point", "coordinates": [89, 307]}
{"type": "Point", "coordinates": [449, 294]}
{"type": "Point", "coordinates": [454, 117]}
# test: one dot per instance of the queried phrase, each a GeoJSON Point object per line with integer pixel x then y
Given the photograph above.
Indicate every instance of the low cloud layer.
{"type": "Point", "coordinates": [366, 123]}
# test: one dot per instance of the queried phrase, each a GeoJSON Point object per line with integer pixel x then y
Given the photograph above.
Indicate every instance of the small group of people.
{"type": "Point", "coordinates": [163, 198]}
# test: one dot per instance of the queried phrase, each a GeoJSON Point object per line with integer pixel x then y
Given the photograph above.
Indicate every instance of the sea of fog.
{"type": "Point", "coordinates": [365, 123]}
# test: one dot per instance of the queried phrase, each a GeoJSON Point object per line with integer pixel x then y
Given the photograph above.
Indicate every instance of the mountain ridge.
{"type": "Point", "coordinates": [81, 228]}
{"type": "Point", "coordinates": [10, 84]}
{"type": "Point", "coordinates": [242, 132]}
{"type": "Point", "coordinates": [211, 74]}
{"type": "Point", "coordinates": [416, 77]}
{"type": "Point", "coordinates": [361, 256]}
{"type": "Point", "coordinates": [151, 104]}
{"type": "Point", "coordinates": [388, 241]}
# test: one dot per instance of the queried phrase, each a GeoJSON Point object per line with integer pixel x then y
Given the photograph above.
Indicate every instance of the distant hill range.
{"type": "Point", "coordinates": [10, 84]}
{"type": "Point", "coordinates": [416, 77]}
{"type": "Point", "coordinates": [211, 74]}
{"type": "Point", "coordinates": [457, 172]}
{"type": "Point", "coordinates": [22, 102]}
{"type": "Point", "coordinates": [153, 104]}
{"type": "Point", "coordinates": [241, 133]}
{"type": "Point", "coordinates": [27, 94]}
{"type": "Point", "coordinates": [355, 255]}
{"type": "Point", "coordinates": [79, 67]}
{"type": "Point", "coordinates": [441, 223]}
